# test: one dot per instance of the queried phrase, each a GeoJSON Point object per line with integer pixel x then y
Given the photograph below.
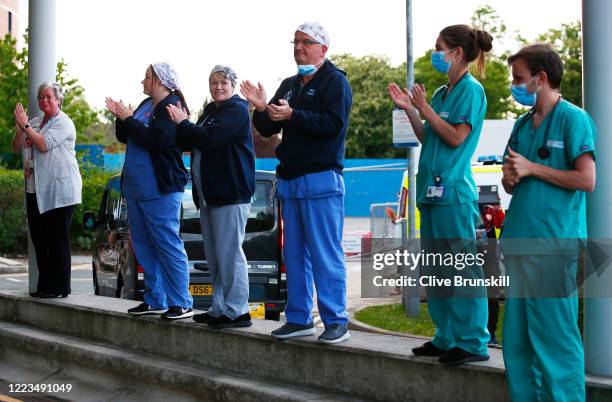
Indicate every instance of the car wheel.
{"type": "Point", "coordinates": [273, 315]}
{"type": "Point", "coordinates": [95, 281]}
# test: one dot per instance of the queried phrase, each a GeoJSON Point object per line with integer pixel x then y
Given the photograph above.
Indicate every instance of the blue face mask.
{"type": "Point", "coordinates": [306, 69]}
{"type": "Point", "coordinates": [521, 94]}
{"type": "Point", "coordinates": [438, 62]}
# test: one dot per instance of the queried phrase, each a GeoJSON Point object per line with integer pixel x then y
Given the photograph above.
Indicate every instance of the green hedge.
{"type": "Point", "coordinates": [94, 180]}
{"type": "Point", "coordinates": [13, 230]}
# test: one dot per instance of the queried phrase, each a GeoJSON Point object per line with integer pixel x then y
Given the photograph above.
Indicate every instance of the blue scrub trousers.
{"type": "Point", "coordinates": [313, 252]}
{"type": "Point", "coordinates": [460, 320]}
{"type": "Point", "coordinates": [154, 227]}
{"type": "Point", "coordinates": [543, 351]}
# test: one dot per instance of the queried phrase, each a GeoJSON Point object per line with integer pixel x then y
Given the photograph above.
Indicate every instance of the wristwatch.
{"type": "Point", "coordinates": [26, 126]}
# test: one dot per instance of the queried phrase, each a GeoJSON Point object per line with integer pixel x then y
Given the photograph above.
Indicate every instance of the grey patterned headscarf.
{"type": "Point", "coordinates": [166, 75]}
{"type": "Point", "coordinates": [225, 71]}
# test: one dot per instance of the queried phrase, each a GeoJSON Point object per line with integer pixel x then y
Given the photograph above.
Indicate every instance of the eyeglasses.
{"type": "Point", "coordinates": [304, 42]}
{"type": "Point", "coordinates": [48, 98]}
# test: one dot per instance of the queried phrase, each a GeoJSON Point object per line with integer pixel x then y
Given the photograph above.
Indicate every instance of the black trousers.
{"type": "Point", "coordinates": [50, 233]}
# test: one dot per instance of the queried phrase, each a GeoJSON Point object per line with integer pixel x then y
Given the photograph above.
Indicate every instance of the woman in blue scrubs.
{"type": "Point", "coordinates": [153, 182]}
{"type": "Point", "coordinates": [549, 166]}
{"type": "Point", "coordinates": [446, 192]}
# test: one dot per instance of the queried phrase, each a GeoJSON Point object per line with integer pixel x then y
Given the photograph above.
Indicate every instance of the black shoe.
{"type": "Point", "coordinates": [493, 339]}
{"type": "Point", "coordinates": [428, 349]}
{"type": "Point", "coordinates": [144, 309]}
{"type": "Point", "coordinates": [457, 356]}
{"type": "Point", "coordinates": [177, 313]}
{"type": "Point", "coordinates": [203, 318]}
{"type": "Point", "coordinates": [226, 322]}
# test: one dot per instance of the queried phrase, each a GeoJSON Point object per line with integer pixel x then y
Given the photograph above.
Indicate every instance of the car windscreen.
{"type": "Point", "coordinates": [261, 215]}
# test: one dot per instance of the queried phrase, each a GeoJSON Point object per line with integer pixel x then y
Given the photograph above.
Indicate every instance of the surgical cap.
{"type": "Point", "coordinates": [315, 31]}
{"type": "Point", "coordinates": [166, 75]}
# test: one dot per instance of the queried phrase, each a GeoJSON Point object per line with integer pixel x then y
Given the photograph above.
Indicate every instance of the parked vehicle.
{"type": "Point", "coordinates": [117, 273]}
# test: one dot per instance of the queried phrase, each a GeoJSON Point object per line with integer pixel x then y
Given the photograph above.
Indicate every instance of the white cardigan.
{"type": "Point", "coordinates": [56, 172]}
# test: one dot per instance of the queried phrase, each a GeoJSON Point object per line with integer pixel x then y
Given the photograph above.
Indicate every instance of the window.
{"type": "Point", "coordinates": [261, 217]}
{"type": "Point", "coordinates": [113, 205]}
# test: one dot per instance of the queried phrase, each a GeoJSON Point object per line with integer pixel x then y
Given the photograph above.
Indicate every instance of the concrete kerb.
{"type": "Point", "coordinates": [357, 325]}
{"type": "Point", "coordinates": [368, 365]}
{"type": "Point", "coordinates": [9, 266]}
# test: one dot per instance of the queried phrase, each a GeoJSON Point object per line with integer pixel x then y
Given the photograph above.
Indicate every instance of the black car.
{"type": "Point", "coordinates": [117, 273]}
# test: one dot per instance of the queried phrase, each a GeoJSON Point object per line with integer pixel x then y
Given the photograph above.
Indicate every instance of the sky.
{"type": "Point", "coordinates": [108, 44]}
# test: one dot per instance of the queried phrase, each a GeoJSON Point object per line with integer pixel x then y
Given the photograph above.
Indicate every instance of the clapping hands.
{"type": "Point", "coordinates": [119, 109]}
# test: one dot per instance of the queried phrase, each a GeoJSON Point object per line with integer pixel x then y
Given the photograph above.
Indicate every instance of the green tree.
{"type": "Point", "coordinates": [75, 104]}
{"type": "Point", "coordinates": [14, 88]}
{"type": "Point", "coordinates": [370, 131]}
{"type": "Point", "coordinates": [568, 43]}
{"type": "Point", "coordinates": [496, 84]}
{"type": "Point", "coordinates": [487, 19]}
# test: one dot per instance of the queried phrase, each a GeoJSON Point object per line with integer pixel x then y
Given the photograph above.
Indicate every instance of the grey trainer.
{"type": "Point", "coordinates": [335, 333]}
{"type": "Point", "coordinates": [289, 330]}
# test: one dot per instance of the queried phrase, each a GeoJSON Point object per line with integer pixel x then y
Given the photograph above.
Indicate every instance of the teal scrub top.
{"type": "Point", "coordinates": [466, 103]}
{"type": "Point", "coordinates": [539, 209]}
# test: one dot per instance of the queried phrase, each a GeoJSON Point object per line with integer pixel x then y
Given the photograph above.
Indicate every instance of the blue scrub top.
{"type": "Point", "coordinates": [539, 209]}
{"type": "Point", "coordinates": [139, 180]}
{"type": "Point", "coordinates": [466, 103]}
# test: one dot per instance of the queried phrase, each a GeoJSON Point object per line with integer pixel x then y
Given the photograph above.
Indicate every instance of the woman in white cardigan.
{"type": "Point", "coordinates": [52, 184]}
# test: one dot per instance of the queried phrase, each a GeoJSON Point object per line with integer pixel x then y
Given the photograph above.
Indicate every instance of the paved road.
{"type": "Point", "coordinates": [81, 281]}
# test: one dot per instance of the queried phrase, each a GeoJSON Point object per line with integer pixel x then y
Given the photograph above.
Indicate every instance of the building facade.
{"type": "Point", "coordinates": [9, 17]}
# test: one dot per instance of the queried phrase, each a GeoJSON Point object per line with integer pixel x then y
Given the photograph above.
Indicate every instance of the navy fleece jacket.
{"type": "Point", "coordinates": [313, 139]}
{"type": "Point", "coordinates": [160, 140]}
{"type": "Point", "coordinates": [223, 135]}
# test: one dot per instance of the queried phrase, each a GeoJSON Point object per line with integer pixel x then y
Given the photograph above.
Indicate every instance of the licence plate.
{"type": "Point", "coordinates": [201, 290]}
{"type": "Point", "coordinates": [258, 310]}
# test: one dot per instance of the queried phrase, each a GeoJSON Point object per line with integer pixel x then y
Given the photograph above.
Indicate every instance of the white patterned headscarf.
{"type": "Point", "coordinates": [166, 75]}
{"type": "Point", "coordinates": [226, 72]}
{"type": "Point", "coordinates": [315, 31]}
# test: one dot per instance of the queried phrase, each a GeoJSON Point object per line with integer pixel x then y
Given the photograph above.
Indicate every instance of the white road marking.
{"type": "Point", "coordinates": [13, 280]}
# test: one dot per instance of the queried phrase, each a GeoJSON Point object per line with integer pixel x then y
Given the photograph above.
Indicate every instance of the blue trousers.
{"type": "Point", "coordinates": [223, 232]}
{"type": "Point", "coordinates": [313, 252]}
{"type": "Point", "coordinates": [154, 228]}
{"type": "Point", "coordinates": [543, 351]}
{"type": "Point", "coordinates": [461, 321]}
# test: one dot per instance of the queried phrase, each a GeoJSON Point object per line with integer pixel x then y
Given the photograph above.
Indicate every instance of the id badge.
{"type": "Point", "coordinates": [435, 191]}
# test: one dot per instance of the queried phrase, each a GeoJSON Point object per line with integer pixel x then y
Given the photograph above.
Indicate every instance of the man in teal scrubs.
{"type": "Point", "coordinates": [446, 191]}
{"type": "Point", "coordinates": [549, 165]}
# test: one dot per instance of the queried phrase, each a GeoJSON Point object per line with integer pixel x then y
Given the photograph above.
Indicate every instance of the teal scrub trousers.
{"type": "Point", "coordinates": [461, 318]}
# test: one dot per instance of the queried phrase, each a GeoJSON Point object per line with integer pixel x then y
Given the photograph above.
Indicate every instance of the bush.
{"type": "Point", "coordinates": [13, 231]}
{"type": "Point", "coordinates": [94, 181]}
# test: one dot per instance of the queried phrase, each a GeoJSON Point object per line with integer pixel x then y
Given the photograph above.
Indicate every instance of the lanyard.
{"type": "Point", "coordinates": [47, 124]}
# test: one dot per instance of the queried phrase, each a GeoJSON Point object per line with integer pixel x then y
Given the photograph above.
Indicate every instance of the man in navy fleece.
{"type": "Point", "coordinates": [312, 110]}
